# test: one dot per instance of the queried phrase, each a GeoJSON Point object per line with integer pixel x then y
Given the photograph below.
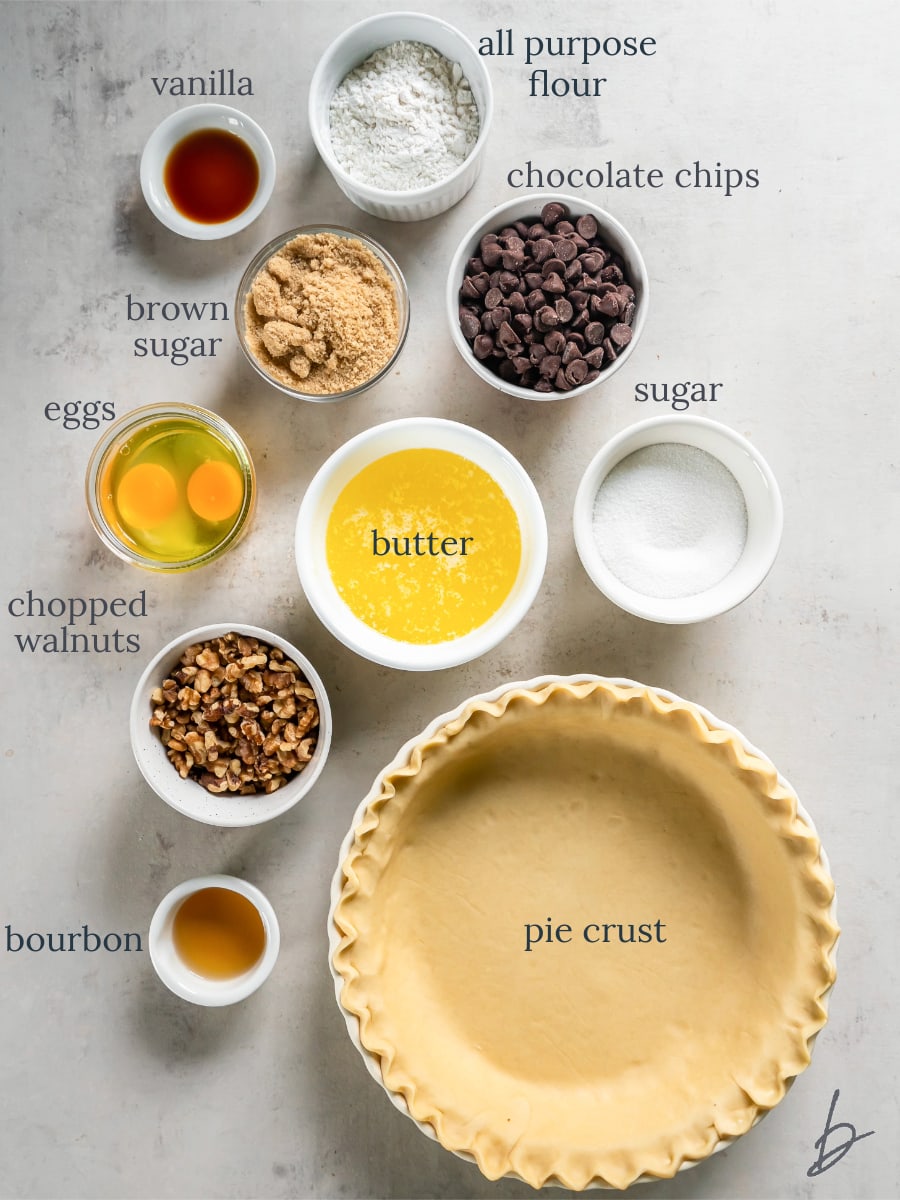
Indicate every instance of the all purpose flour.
{"type": "Point", "coordinates": [403, 119]}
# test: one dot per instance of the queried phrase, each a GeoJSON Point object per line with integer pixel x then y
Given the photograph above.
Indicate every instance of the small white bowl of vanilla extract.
{"type": "Point", "coordinates": [214, 940]}
{"type": "Point", "coordinates": [207, 171]}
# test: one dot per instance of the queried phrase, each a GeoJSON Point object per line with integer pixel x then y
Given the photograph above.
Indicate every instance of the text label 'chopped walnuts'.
{"type": "Point", "coordinates": [237, 715]}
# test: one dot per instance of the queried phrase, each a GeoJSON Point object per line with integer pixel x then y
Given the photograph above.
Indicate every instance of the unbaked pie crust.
{"type": "Point", "coordinates": [587, 802]}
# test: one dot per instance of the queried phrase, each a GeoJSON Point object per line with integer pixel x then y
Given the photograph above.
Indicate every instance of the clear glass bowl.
{"type": "Point", "coordinates": [112, 442]}
{"type": "Point", "coordinates": [400, 292]}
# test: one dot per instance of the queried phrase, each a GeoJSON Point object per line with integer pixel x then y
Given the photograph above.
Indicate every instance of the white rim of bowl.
{"type": "Point", "coordinates": [377, 647]}
{"type": "Point", "coordinates": [401, 292]}
{"type": "Point", "coordinates": [685, 610]}
{"type": "Point", "coordinates": [211, 993]}
{"type": "Point", "coordinates": [490, 223]}
{"type": "Point", "coordinates": [373, 1065]}
{"type": "Point", "coordinates": [322, 137]}
{"type": "Point", "coordinates": [139, 720]}
{"type": "Point", "coordinates": [162, 141]}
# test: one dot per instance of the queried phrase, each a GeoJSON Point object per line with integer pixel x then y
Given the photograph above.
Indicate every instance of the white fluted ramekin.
{"type": "Point", "coordinates": [354, 47]}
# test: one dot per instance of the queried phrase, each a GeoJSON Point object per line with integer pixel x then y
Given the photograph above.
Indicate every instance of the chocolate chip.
{"type": "Point", "coordinates": [491, 253]}
{"type": "Point", "coordinates": [554, 284]}
{"type": "Point", "coordinates": [543, 385]}
{"type": "Point", "coordinates": [609, 350]}
{"type": "Point", "coordinates": [564, 227]}
{"type": "Point", "coordinates": [570, 353]}
{"type": "Point", "coordinates": [625, 290]}
{"type": "Point", "coordinates": [555, 341]}
{"type": "Point", "coordinates": [563, 310]}
{"type": "Point", "coordinates": [621, 334]}
{"type": "Point", "coordinates": [549, 366]}
{"type": "Point", "coordinates": [506, 335]}
{"type": "Point", "coordinates": [560, 382]}
{"type": "Point", "coordinates": [537, 230]}
{"type": "Point", "coordinates": [538, 352]}
{"type": "Point", "coordinates": [508, 372]}
{"type": "Point", "coordinates": [591, 261]}
{"type": "Point", "coordinates": [576, 371]}
{"type": "Point", "coordinates": [578, 299]}
{"type": "Point", "coordinates": [592, 375]}
{"type": "Point", "coordinates": [522, 321]}
{"type": "Point", "coordinates": [493, 297]}
{"type": "Point", "coordinates": [594, 358]}
{"type": "Point", "coordinates": [481, 282]}
{"type": "Point", "coordinates": [507, 281]}
{"type": "Point", "coordinates": [533, 279]}
{"type": "Point", "coordinates": [535, 300]}
{"type": "Point", "coordinates": [553, 266]}
{"type": "Point", "coordinates": [541, 250]}
{"type": "Point", "coordinates": [522, 227]}
{"type": "Point", "coordinates": [483, 346]}
{"type": "Point", "coordinates": [594, 333]}
{"type": "Point", "coordinates": [470, 325]}
{"type": "Point", "coordinates": [566, 250]}
{"type": "Point", "coordinates": [500, 314]}
{"type": "Point", "coordinates": [487, 322]}
{"type": "Point", "coordinates": [609, 304]}
{"type": "Point", "coordinates": [612, 274]}
{"type": "Point", "coordinates": [468, 290]}
{"type": "Point", "coordinates": [587, 226]}
{"type": "Point", "coordinates": [512, 259]}
{"type": "Point", "coordinates": [628, 314]}
{"type": "Point", "coordinates": [515, 301]}
{"type": "Point", "coordinates": [520, 364]}
{"type": "Point", "coordinates": [474, 266]}
{"type": "Point", "coordinates": [553, 212]}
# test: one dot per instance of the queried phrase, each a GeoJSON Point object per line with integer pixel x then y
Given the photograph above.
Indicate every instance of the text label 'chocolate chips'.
{"type": "Point", "coordinates": [545, 303]}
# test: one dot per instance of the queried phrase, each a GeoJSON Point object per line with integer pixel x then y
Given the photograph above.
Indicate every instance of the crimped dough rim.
{"type": "Point", "coordinates": [783, 814]}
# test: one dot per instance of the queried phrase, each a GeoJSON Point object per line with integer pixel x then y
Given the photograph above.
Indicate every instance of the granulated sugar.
{"type": "Point", "coordinates": [403, 119]}
{"type": "Point", "coordinates": [670, 521]}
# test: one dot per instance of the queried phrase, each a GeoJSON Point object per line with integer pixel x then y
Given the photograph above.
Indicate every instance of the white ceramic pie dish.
{"type": "Point", "coordinates": [401, 759]}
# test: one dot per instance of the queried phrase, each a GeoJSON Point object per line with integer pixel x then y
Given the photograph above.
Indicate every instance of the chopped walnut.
{"type": "Point", "coordinates": [236, 716]}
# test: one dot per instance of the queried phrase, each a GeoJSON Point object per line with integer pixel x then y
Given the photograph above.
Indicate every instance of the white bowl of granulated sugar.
{"type": "Point", "coordinates": [399, 107]}
{"type": "Point", "coordinates": [678, 519]}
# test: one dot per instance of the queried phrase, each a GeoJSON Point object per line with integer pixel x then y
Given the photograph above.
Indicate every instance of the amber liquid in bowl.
{"type": "Point", "coordinates": [211, 176]}
{"type": "Point", "coordinates": [218, 933]}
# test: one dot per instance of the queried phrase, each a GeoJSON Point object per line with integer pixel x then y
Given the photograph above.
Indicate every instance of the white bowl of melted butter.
{"type": "Point", "coordinates": [421, 543]}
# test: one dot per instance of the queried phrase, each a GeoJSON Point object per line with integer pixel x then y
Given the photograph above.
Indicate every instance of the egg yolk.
{"type": "Point", "coordinates": [215, 491]}
{"type": "Point", "coordinates": [146, 495]}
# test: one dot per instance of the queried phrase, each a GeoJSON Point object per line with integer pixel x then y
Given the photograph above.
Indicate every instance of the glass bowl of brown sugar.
{"type": "Point", "coordinates": [322, 312]}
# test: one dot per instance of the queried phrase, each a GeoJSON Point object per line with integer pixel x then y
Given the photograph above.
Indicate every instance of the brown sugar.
{"type": "Point", "coordinates": [321, 316]}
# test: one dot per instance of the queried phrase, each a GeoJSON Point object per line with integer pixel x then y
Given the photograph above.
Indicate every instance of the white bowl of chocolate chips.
{"type": "Point", "coordinates": [547, 296]}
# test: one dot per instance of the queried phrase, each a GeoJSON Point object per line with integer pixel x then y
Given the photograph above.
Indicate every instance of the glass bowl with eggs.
{"type": "Point", "coordinates": [170, 487]}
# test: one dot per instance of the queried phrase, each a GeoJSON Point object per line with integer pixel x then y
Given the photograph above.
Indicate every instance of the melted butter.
{"type": "Point", "coordinates": [438, 593]}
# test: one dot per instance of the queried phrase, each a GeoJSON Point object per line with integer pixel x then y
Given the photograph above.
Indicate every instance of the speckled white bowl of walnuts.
{"type": "Point", "coordinates": [230, 808]}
